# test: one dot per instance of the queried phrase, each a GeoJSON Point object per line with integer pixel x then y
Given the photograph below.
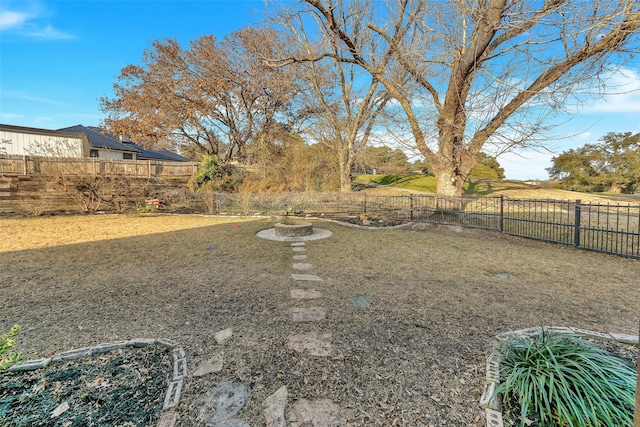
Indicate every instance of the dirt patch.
{"type": "Point", "coordinates": [414, 357]}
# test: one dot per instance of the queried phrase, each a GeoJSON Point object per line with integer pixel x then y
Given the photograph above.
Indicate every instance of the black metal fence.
{"type": "Point", "coordinates": [601, 227]}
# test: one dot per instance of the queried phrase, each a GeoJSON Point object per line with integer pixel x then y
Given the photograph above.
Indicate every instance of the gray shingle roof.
{"type": "Point", "coordinates": [97, 139]}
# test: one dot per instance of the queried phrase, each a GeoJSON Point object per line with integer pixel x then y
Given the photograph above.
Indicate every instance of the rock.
{"type": "Point", "coordinates": [229, 423]}
{"type": "Point", "coordinates": [210, 366]}
{"type": "Point", "coordinates": [315, 413]}
{"type": "Point", "coordinates": [223, 335]}
{"type": "Point", "coordinates": [305, 294]}
{"type": "Point", "coordinates": [309, 314]}
{"type": "Point", "coordinates": [224, 401]}
{"type": "Point", "coordinates": [274, 407]}
{"type": "Point", "coordinates": [316, 343]}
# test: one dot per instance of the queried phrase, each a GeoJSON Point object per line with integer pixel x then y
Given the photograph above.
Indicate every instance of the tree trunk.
{"type": "Point", "coordinates": [448, 182]}
{"type": "Point", "coordinates": [345, 179]}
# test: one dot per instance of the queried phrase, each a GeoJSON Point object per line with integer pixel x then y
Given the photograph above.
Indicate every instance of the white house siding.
{"type": "Point", "coordinates": [20, 143]}
{"type": "Point", "coordinates": [114, 155]}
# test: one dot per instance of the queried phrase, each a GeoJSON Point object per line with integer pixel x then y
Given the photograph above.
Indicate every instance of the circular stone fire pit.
{"type": "Point", "coordinates": [294, 230]}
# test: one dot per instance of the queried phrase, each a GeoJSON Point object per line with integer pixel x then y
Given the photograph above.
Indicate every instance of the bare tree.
{"type": "Point", "coordinates": [482, 72]}
{"type": "Point", "coordinates": [346, 100]}
{"type": "Point", "coordinates": [214, 98]}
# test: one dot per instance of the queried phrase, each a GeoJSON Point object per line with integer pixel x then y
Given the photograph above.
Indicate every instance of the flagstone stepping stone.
{"type": "Point", "coordinates": [302, 266]}
{"type": "Point", "coordinates": [361, 301]}
{"type": "Point", "coordinates": [224, 401]}
{"type": "Point", "coordinates": [274, 407]}
{"type": "Point", "coordinates": [316, 343]}
{"type": "Point", "coordinates": [306, 277]}
{"type": "Point", "coordinates": [309, 314]}
{"type": "Point", "coordinates": [223, 335]}
{"type": "Point", "coordinates": [315, 413]}
{"type": "Point", "coordinates": [305, 294]}
{"type": "Point", "coordinates": [210, 366]}
{"type": "Point", "coordinates": [299, 249]}
{"type": "Point", "coordinates": [297, 244]}
{"type": "Point", "coordinates": [229, 423]}
{"type": "Point", "coordinates": [299, 257]}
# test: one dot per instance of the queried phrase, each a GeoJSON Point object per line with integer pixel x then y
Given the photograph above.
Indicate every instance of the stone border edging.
{"type": "Point", "coordinates": [174, 390]}
{"type": "Point", "coordinates": [491, 403]}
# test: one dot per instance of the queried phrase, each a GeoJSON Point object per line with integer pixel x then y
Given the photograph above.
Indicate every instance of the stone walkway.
{"type": "Point", "coordinates": [226, 399]}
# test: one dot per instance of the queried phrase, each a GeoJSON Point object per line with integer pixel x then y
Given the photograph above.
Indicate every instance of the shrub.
{"type": "Point", "coordinates": [7, 341]}
{"type": "Point", "coordinates": [562, 380]}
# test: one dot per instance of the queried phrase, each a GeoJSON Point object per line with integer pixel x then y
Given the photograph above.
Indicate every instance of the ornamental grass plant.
{"type": "Point", "coordinates": [562, 380]}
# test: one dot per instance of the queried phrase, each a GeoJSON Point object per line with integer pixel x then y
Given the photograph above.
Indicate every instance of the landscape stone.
{"type": "Point", "coordinates": [229, 423]}
{"type": "Point", "coordinates": [494, 418]}
{"type": "Point", "coordinates": [361, 301]}
{"type": "Point", "coordinates": [299, 257]}
{"type": "Point", "coordinates": [297, 244]}
{"type": "Point", "coordinates": [305, 294]}
{"type": "Point", "coordinates": [274, 407]}
{"type": "Point", "coordinates": [172, 398]}
{"type": "Point", "coordinates": [302, 266]}
{"type": "Point", "coordinates": [223, 335]}
{"type": "Point", "coordinates": [316, 343]}
{"type": "Point", "coordinates": [309, 314]}
{"type": "Point", "coordinates": [591, 334]}
{"type": "Point", "coordinates": [210, 366]}
{"type": "Point", "coordinates": [107, 347]}
{"type": "Point", "coordinates": [625, 338]}
{"type": "Point", "coordinates": [224, 401]}
{"type": "Point", "coordinates": [179, 368]}
{"type": "Point", "coordinates": [73, 354]}
{"type": "Point", "coordinates": [306, 277]}
{"type": "Point", "coordinates": [315, 413]}
{"type": "Point", "coordinates": [168, 419]}
{"type": "Point", "coordinates": [299, 249]}
{"type": "Point", "coordinates": [30, 365]}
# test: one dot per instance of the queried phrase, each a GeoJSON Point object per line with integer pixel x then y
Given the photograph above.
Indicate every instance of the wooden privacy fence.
{"type": "Point", "coordinates": [31, 165]}
{"type": "Point", "coordinates": [601, 227]}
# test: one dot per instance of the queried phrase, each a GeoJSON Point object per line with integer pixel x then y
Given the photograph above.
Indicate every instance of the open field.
{"type": "Point", "coordinates": [416, 183]}
{"type": "Point", "coordinates": [414, 357]}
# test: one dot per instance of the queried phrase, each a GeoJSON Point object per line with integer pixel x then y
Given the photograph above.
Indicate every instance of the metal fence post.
{"type": "Point", "coordinates": [501, 213]}
{"type": "Point", "coordinates": [576, 231]}
{"type": "Point", "coordinates": [410, 207]}
{"type": "Point", "coordinates": [364, 203]}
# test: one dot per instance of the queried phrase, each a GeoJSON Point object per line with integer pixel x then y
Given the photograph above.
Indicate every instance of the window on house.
{"type": "Point", "coordinates": [127, 156]}
{"type": "Point", "coordinates": [93, 153]}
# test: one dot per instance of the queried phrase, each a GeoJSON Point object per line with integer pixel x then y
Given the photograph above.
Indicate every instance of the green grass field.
{"type": "Point", "coordinates": [427, 183]}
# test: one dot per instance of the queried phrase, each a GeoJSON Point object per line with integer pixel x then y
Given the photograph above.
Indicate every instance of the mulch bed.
{"type": "Point", "coordinates": [124, 387]}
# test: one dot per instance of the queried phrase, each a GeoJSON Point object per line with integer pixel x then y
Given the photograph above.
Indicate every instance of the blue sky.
{"type": "Point", "coordinates": [57, 58]}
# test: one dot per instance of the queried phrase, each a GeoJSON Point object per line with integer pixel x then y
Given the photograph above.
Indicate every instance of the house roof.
{"type": "Point", "coordinates": [167, 155]}
{"type": "Point", "coordinates": [38, 131]}
{"type": "Point", "coordinates": [97, 139]}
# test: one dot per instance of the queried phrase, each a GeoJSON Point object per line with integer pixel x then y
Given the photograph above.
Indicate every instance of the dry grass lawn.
{"type": "Point", "coordinates": [414, 357]}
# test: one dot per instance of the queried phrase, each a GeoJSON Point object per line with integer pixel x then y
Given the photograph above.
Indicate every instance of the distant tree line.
{"type": "Point", "coordinates": [610, 165]}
